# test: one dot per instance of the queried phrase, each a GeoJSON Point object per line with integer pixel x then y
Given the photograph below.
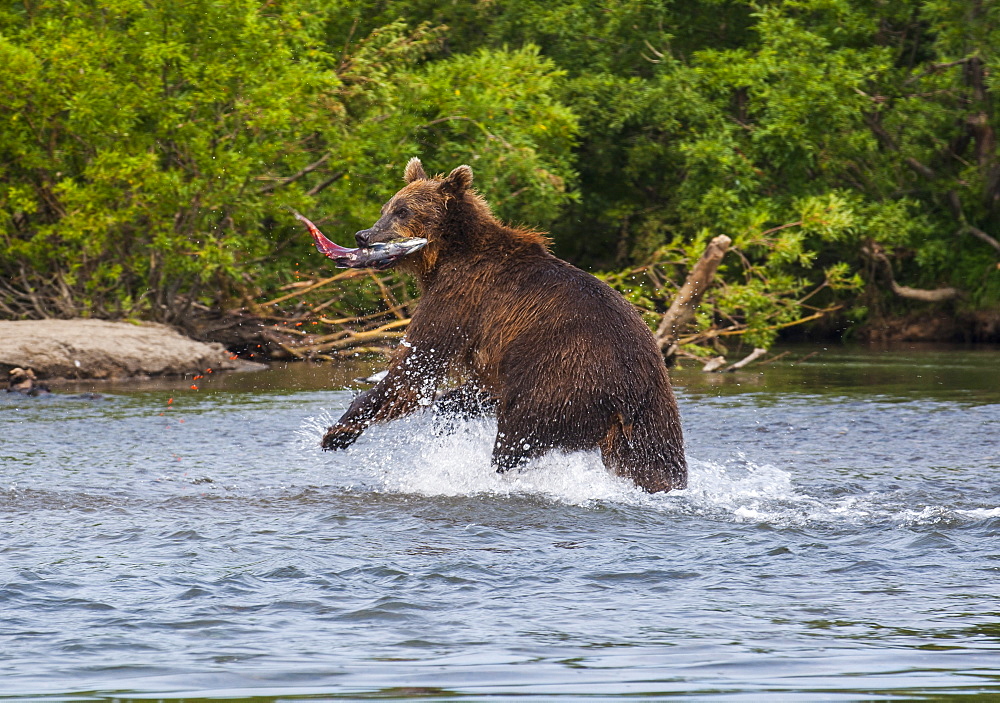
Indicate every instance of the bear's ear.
{"type": "Point", "coordinates": [414, 171]}
{"type": "Point", "coordinates": [458, 181]}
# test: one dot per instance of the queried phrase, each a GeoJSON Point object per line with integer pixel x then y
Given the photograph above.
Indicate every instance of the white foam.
{"type": "Point", "coordinates": [980, 513]}
{"type": "Point", "coordinates": [458, 464]}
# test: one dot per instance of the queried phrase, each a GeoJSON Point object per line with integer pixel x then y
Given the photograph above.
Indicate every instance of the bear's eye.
{"type": "Point", "coordinates": [402, 212]}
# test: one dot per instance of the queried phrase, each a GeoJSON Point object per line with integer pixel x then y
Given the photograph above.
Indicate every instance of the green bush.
{"type": "Point", "coordinates": [148, 150]}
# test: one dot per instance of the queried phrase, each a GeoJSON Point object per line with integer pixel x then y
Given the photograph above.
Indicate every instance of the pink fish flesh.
{"type": "Point", "coordinates": [381, 255]}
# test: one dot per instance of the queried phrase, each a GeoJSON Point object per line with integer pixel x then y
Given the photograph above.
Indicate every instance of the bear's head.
{"type": "Point", "coordinates": [427, 208]}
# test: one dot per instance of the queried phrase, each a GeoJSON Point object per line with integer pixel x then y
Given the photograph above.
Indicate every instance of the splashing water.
{"type": "Point", "coordinates": [412, 456]}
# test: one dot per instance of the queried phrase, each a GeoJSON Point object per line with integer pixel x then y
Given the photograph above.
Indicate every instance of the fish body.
{"type": "Point", "coordinates": [381, 255]}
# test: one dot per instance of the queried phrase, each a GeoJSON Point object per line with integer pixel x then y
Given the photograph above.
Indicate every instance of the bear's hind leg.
{"type": "Point", "coordinates": [655, 463]}
{"type": "Point", "coordinates": [513, 448]}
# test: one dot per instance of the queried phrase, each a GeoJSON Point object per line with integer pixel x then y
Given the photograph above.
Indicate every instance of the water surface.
{"type": "Point", "coordinates": [840, 539]}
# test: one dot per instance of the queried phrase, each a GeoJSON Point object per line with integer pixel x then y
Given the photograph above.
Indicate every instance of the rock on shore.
{"type": "Point", "coordinates": [100, 349]}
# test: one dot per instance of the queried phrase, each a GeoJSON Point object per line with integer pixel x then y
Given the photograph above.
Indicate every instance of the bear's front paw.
{"type": "Point", "coordinates": [340, 437]}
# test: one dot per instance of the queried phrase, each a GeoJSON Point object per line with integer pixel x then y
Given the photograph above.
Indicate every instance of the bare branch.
{"type": "Point", "coordinates": [936, 295]}
{"type": "Point", "coordinates": [714, 364]}
{"type": "Point", "coordinates": [349, 339]}
{"type": "Point", "coordinates": [739, 328]}
{"type": "Point", "coordinates": [935, 67]}
{"type": "Point", "coordinates": [920, 168]}
{"type": "Point", "coordinates": [291, 179]}
{"type": "Point", "coordinates": [329, 181]}
{"type": "Point", "coordinates": [295, 294]}
{"type": "Point", "coordinates": [746, 361]}
{"type": "Point", "coordinates": [686, 301]}
{"type": "Point", "coordinates": [658, 54]}
{"type": "Point", "coordinates": [980, 234]}
{"type": "Point", "coordinates": [888, 142]}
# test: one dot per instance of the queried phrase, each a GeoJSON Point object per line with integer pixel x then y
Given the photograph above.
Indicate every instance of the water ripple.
{"type": "Point", "coordinates": [827, 544]}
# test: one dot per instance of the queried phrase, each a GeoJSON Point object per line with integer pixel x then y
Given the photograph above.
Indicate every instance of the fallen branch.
{"type": "Point", "coordinates": [319, 284]}
{"type": "Point", "coordinates": [360, 318]}
{"type": "Point", "coordinates": [733, 330]}
{"type": "Point", "coordinates": [714, 364]}
{"type": "Point", "coordinates": [388, 298]}
{"type": "Point", "coordinates": [286, 330]}
{"type": "Point", "coordinates": [353, 351]}
{"type": "Point", "coordinates": [782, 355]}
{"type": "Point", "coordinates": [292, 350]}
{"type": "Point", "coordinates": [348, 338]}
{"type": "Point", "coordinates": [316, 309]}
{"type": "Point", "coordinates": [354, 340]}
{"type": "Point", "coordinates": [747, 360]}
{"type": "Point", "coordinates": [686, 301]}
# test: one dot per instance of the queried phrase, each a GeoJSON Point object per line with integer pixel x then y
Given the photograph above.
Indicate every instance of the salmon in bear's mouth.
{"type": "Point", "coordinates": [379, 256]}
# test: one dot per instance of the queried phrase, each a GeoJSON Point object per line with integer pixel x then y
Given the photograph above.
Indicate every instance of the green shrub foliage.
{"type": "Point", "coordinates": [148, 150]}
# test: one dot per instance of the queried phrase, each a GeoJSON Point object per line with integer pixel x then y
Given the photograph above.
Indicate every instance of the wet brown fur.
{"type": "Point", "coordinates": [568, 361]}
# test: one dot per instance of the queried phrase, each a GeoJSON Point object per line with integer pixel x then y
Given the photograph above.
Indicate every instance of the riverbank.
{"type": "Point", "coordinates": [97, 349]}
{"type": "Point", "coordinates": [86, 349]}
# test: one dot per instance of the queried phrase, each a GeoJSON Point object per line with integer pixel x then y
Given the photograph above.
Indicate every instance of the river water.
{"type": "Point", "coordinates": [840, 540]}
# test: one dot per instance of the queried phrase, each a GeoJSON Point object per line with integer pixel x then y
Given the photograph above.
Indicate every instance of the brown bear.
{"type": "Point", "coordinates": [565, 361]}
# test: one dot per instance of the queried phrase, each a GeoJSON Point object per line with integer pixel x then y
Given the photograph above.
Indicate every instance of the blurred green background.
{"type": "Point", "coordinates": [149, 149]}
